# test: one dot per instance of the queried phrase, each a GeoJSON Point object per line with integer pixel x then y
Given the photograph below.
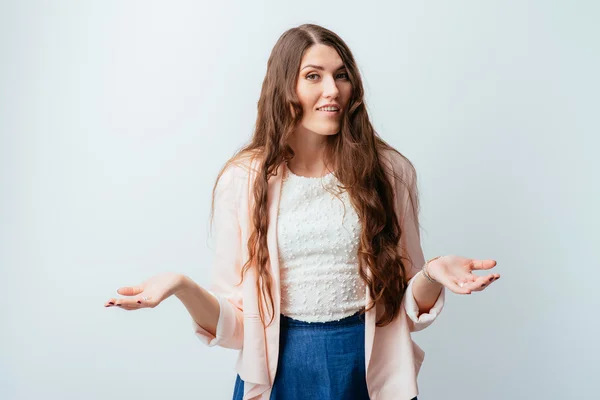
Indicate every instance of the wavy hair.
{"type": "Point", "coordinates": [356, 153]}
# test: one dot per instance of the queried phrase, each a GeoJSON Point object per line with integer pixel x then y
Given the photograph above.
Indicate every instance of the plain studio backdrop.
{"type": "Point", "coordinates": [117, 115]}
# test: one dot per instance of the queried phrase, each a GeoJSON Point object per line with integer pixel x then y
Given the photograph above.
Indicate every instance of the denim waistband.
{"type": "Point", "coordinates": [355, 319]}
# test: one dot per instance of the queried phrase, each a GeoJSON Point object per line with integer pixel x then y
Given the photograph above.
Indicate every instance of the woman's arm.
{"type": "Point", "coordinates": [203, 307]}
{"type": "Point", "coordinates": [425, 292]}
{"type": "Point", "coordinates": [423, 300]}
{"type": "Point", "coordinates": [219, 308]}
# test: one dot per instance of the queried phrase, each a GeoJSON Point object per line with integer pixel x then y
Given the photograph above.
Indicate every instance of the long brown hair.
{"type": "Point", "coordinates": [356, 153]}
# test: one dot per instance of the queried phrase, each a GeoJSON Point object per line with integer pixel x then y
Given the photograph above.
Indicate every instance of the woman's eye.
{"type": "Point", "coordinates": [309, 76]}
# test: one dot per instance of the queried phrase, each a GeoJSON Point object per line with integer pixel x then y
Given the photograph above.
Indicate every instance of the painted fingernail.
{"type": "Point", "coordinates": [139, 302]}
{"type": "Point", "coordinates": [118, 304]}
{"type": "Point", "coordinates": [110, 302]}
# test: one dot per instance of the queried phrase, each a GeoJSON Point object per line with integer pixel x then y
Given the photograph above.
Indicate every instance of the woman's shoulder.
{"type": "Point", "coordinates": [239, 173]}
{"type": "Point", "coordinates": [243, 164]}
{"type": "Point", "coordinates": [397, 165]}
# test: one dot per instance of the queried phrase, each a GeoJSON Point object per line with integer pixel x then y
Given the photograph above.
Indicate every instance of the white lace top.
{"type": "Point", "coordinates": [318, 250]}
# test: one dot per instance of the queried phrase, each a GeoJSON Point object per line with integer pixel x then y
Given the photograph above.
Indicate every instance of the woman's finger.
{"type": "Point", "coordinates": [110, 302]}
{"type": "Point", "coordinates": [466, 286]}
{"type": "Point", "coordinates": [134, 303]}
{"type": "Point", "coordinates": [128, 302]}
{"type": "Point", "coordinates": [130, 290]}
{"type": "Point", "coordinates": [483, 282]}
{"type": "Point", "coordinates": [482, 264]}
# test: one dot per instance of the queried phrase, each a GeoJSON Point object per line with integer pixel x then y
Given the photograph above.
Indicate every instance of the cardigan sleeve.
{"type": "Point", "coordinates": [226, 270]}
{"type": "Point", "coordinates": [224, 315]}
{"type": "Point", "coordinates": [422, 320]}
{"type": "Point", "coordinates": [410, 243]}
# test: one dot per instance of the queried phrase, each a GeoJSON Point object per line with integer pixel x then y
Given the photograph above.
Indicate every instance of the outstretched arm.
{"type": "Point", "coordinates": [203, 307]}
{"type": "Point", "coordinates": [423, 300]}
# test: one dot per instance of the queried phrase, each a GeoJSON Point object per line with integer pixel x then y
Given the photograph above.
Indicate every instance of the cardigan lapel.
{"type": "Point", "coordinates": [272, 331]}
{"type": "Point", "coordinates": [253, 390]}
{"type": "Point", "coordinates": [274, 196]}
{"type": "Point", "coordinates": [370, 320]}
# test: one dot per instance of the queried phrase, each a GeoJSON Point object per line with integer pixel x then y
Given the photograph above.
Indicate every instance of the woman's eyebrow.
{"type": "Point", "coordinates": [321, 68]}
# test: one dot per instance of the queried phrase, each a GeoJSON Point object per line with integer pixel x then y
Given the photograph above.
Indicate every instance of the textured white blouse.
{"type": "Point", "coordinates": [318, 235]}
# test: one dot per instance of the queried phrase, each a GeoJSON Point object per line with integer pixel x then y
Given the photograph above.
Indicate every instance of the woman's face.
{"type": "Point", "coordinates": [322, 80]}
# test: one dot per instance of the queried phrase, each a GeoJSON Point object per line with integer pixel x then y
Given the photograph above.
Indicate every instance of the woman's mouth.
{"type": "Point", "coordinates": [329, 111]}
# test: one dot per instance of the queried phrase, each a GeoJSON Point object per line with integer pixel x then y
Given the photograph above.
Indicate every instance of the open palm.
{"type": "Point", "coordinates": [149, 293]}
{"type": "Point", "coordinates": [456, 273]}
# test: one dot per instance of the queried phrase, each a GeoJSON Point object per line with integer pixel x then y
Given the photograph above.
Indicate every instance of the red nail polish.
{"type": "Point", "coordinates": [139, 302]}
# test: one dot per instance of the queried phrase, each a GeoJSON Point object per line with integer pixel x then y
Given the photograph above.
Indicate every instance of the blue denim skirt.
{"type": "Point", "coordinates": [319, 360]}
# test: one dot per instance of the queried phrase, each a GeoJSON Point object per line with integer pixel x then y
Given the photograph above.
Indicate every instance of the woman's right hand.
{"type": "Point", "coordinates": [155, 290]}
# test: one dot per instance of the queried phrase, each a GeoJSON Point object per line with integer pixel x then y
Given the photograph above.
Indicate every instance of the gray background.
{"type": "Point", "coordinates": [116, 117]}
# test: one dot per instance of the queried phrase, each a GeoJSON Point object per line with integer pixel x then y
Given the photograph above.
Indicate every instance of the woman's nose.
{"type": "Point", "coordinates": [330, 88]}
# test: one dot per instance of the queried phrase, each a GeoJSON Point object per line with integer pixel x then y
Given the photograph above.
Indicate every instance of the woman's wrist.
{"type": "Point", "coordinates": [426, 289]}
{"type": "Point", "coordinates": [183, 286]}
{"type": "Point", "coordinates": [426, 270]}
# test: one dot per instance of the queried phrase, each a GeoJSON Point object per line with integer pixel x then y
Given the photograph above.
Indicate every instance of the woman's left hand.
{"type": "Point", "coordinates": [455, 273]}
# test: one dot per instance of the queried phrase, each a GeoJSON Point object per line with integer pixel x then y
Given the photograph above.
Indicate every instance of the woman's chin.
{"type": "Point", "coordinates": [331, 129]}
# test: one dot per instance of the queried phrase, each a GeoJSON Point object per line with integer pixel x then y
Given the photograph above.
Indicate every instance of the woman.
{"type": "Point", "coordinates": [319, 277]}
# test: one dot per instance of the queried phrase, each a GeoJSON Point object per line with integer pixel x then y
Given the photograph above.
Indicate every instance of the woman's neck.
{"type": "Point", "coordinates": [309, 154]}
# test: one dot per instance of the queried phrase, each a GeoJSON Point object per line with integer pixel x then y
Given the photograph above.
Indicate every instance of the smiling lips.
{"type": "Point", "coordinates": [329, 110]}
{"type": "Point", "coordinates": [329, 107]}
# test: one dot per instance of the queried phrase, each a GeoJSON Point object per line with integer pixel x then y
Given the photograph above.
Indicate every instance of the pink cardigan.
{"type": "Point", "coordinates": [392, 358]}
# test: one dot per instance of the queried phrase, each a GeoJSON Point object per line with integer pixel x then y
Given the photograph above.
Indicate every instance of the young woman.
{"type": "Point", "coordinates": [319, 276]}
